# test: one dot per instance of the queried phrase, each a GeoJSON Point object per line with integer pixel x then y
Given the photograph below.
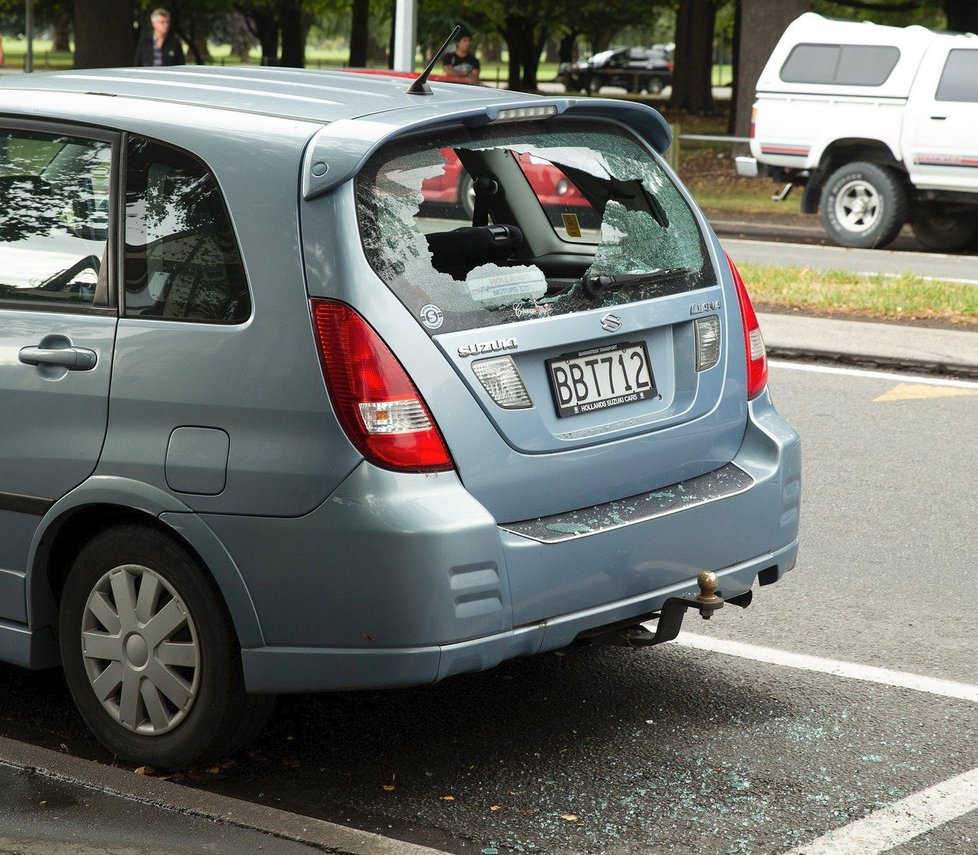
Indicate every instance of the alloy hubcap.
{"type": "Point", "coordinates": [858, 206]}
{"type": "Point", "coordinates": [140, 650]}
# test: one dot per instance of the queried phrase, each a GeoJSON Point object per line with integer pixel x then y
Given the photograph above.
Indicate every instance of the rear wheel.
{"type": "Point", "coordinates": [935, 228]}
{"type": "Point", "coordinates": [150, 655]}
{"type": "Point", "coordinates": [863, 205]}
{"type": "Point", "coordinates": [655, 85]}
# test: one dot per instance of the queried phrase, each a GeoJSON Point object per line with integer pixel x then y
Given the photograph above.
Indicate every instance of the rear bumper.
{"type": "Point", "coordinates": [273, 670]}
{"type": "Point", "coordinates": [406, 579]}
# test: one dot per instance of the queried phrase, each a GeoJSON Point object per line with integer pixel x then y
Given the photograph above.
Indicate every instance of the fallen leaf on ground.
{"type": "Point", "coordinates": [570, 817]}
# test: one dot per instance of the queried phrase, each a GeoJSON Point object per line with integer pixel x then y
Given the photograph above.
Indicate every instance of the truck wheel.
{"type": "Point", "coordinates": [150, 655]}
{"type": "Point", "coordinates": [594, 85]}
{"type": "Point", "coordinates": [934, 228]}
{"type": "Point", "coordinates": [654, 85]}
{"type": "Point", "coordinates": [863, 205]}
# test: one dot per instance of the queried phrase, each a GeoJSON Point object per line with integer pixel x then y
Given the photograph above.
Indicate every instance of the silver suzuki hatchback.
{"type": "Point", "coordinates": [310, 383]}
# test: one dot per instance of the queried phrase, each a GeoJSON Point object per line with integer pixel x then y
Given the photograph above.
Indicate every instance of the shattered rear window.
{"type": "Point", "coordinates": [474, 228]}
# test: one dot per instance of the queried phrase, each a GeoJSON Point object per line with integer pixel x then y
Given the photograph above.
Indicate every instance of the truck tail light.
{"type": "Point", "coordinates": [753, 340]}
{"type": "Point", "coordinates": [753, 122]}
{"type": "Point", "coordinates": [377, 404]}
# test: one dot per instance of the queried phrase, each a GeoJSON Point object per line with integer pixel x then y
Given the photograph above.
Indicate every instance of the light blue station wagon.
{"type": "Point", "coordinates": [310, 384]}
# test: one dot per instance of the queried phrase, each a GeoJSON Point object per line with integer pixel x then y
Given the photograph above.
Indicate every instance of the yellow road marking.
{"type": "Point", "coordinates": [920, 392]}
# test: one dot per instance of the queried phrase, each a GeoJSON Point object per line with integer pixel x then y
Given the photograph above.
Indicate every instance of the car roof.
{"type": "Point", "coordinates": [299, 94]}
{"type": "Point", "coordinates": [343, 116]}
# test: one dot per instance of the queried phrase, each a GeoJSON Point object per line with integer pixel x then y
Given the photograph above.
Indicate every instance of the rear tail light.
{"type": "Point", "coordinates": [501, 379]}
{"type": "Point", "coordinates": [753, 122]}
{"type": "Point", "coordinates": [376, 403]}
{"type": "Point", "coordinates": [753, 341]}
{"type": "Point", "coordinates": [707, 342]}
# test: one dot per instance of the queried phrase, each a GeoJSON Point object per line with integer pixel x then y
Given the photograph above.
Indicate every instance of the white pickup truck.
{"type": "Point", "coordinates": [878, 124]}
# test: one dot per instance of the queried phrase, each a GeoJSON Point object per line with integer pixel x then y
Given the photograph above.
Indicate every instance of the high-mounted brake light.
{"type": "Point", "coordinates": [513, 114]}
{"type": "Point", "coordinates": [753, 340]}
{"type": "Point", "coordinates": [378, 406]}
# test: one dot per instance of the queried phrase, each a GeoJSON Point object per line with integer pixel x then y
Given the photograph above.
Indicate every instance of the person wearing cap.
{"type": "Point", "coordinates": [461, 65]}
{"type": "Point", "coordinates": [162, 47]}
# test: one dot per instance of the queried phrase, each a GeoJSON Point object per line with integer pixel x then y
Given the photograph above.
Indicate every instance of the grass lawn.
{"type": "Point", "coordinates": [893, 298]}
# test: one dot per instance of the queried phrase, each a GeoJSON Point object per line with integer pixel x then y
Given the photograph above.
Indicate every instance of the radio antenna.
{"type": "Point", "coordinates": [420, 86]}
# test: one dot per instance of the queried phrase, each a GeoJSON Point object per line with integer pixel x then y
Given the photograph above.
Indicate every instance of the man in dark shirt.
{"type": "Point", "coordinates": [461, 66]}
{"type": "Point", "coordinates": [162, 47]}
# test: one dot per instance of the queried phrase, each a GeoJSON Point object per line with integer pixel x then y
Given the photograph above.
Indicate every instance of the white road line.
{"type": "Point", "coordinates": [901, 821]}
{"type": "Point", "coordinates": [874, 375]}
{"type": "Point", "coordinates": [851, 670]}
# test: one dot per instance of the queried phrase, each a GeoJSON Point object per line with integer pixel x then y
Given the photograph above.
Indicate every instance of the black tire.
{"type": "Point", "coordinates": [217, 717]}
{"type": "Point", "coordinates": [935, 229]}
{"type": "Point", "coordinates": [655, 85]}
{"type": "Point", "coordinates": [594, 85]}
{"type": "Point", "coordinates": [863, 205]}
{"type": "Point", "coordinates": [466, 195]}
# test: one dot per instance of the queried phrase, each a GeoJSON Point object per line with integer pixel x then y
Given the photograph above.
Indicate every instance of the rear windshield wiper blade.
{"type": "Point", "coordinates": [599, 286]}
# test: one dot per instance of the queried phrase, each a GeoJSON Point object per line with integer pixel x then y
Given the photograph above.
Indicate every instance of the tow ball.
{"type": "Point", "coordinates": [670, 621]}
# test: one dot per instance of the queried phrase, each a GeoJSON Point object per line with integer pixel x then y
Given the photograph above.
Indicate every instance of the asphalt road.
{"type": "Point", "coordinates": [933, 265]}
{"type": "Point", "coordinates": [697, 746]}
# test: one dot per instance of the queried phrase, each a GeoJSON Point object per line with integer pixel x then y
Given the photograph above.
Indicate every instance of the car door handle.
{"type": "Point", "coordinates": [938, 118]}
{"type": "Point", "coordinates": [72, 358]}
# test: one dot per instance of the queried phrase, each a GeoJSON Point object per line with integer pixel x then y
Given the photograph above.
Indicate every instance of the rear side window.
{"type": "Point", "coordinates": [840, 65]}
{"type": "Point", "coordinates": [54, 218]}
{"type": "Point", "coordinates": [562, 216]}
{"type": "Point", "coordinates": [182, 259]}
{"type": "Point", "coordinates": [959, 81]}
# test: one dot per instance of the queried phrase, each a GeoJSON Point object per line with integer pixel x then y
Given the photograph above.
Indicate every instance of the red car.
{"type": "Point", "coordinates": [454, 186]}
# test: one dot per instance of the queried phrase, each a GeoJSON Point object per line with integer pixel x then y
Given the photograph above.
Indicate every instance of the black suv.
{"type": "Point", "coordinates": [634, 69]}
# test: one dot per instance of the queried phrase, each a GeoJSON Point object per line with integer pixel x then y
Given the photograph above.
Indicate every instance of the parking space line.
{"type": "Point", "coordinates": [851, 670]}
{"type": "Point", "coordinates": [874, 375]}
{"type": "Point", "coordinates": [901, 821]}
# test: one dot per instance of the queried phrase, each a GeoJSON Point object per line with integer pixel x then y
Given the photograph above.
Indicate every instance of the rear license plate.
{"type": "Point", "coordinates": [601, 378]}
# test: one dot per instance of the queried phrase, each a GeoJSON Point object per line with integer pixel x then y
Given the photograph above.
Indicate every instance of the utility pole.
{"type": "Point", "coordinates": [405, 34]}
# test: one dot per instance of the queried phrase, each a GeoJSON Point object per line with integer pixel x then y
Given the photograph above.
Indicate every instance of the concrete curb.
{"type": "Point", "coordinates": [871, 345]}
{"type": "Point", "coordinates": [167, 795]}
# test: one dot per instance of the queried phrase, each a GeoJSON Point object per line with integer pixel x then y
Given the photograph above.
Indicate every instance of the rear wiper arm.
{"type": "Point", "coordinates": [597, 287]}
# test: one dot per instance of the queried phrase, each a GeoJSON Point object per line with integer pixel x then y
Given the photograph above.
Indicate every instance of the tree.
{"type": "Point", "coordinates": [962, 15]}
{"type": "Point", "coordinates": [525, 29]}
{"type": "Point", "coordinates": [104, 33]}
{"type": "Point", "coordinates": [692, 82]}
{"type": "Point", "coordinates": [359, 32]}
{"type": "Point", "coordinates": [761, 25]}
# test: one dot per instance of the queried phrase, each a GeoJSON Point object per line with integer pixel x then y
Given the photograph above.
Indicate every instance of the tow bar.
{"type": "Point", "coordinates": [673, 611]}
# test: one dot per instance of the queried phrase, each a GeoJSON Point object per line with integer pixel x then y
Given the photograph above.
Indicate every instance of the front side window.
{"type": "Point", "coordinates": [577, 215]}
{"type": "Point", "coordinates": [840, 65]}
{"type": "Point", "coordinates": [54, 220]}
{"type": "Point", "coordinates": [182, 259]}
{"type": "Point", "coordinates": [959, 81]}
